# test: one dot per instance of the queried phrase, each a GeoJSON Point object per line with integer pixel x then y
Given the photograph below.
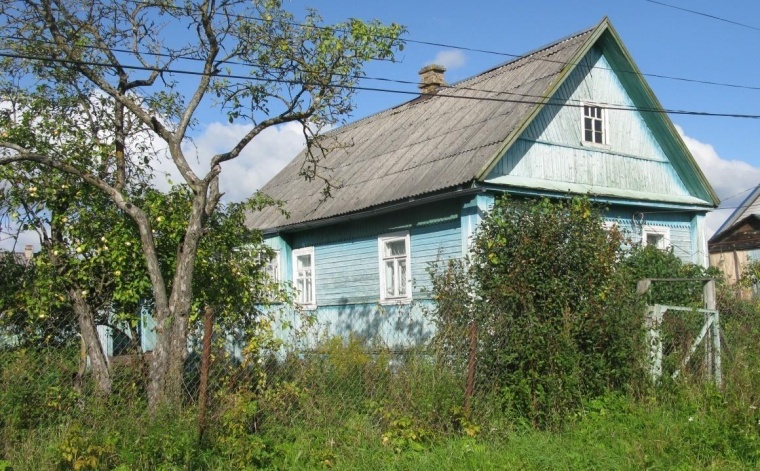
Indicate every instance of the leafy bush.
{"type": "Point", "coordinates": [651, 262]}
{"type": "Point", "coordinates": [556, 317]}
{"type": "Point", "coordinates": [38, 388]}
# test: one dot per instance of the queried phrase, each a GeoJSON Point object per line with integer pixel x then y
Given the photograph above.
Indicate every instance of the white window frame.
{"type": "Point", "coordinates": [602, 119]}
{"type": "Point", "coordinates": [305, 303]}
{"type": "Point", "coordinates": [662, 231]}
{"type": "Point", "coordinates": [273, 268]}
{"type": "Point", "coordinates": [381, 241]}
{"type": "Point", "coordinates": [273, 272]}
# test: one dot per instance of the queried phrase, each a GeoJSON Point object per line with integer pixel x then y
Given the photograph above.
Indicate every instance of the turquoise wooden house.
{"type": "Point", "coordinates": [413, 182]}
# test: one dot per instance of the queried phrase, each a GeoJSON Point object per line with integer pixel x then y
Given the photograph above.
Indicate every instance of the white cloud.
{"type": "Point", "coordinates": [266, 155]}
{"type": "Point", "coordinates": [727, 177]}
{"type": "Point", "coordinates": [451, 59]}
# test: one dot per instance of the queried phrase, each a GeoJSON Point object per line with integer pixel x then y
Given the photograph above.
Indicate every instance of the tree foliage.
{"type": "Point", "coordinates": [102, 91]}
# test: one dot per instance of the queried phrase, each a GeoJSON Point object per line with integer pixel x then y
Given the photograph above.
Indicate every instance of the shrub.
{"type": "Point", "coordinates": [557, 319]}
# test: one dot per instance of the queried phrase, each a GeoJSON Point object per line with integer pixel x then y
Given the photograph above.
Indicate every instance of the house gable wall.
{"type": "Point", "coordinates": [551, 148]}
{"type": "Point", "coordinates": [679, 225]}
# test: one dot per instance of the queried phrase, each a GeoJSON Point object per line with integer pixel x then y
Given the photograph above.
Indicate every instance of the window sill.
{"type": "Point", "coordinates": [307, 307]}
{"type": "Point", "coordinates": [395, 301]}
{"type": "Point", "coordinates": [594, 145]}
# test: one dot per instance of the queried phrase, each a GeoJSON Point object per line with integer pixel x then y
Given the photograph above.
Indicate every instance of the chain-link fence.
{"type": "Point", "coordinates": [289, 377]}
{"type": "Point", "coordinates": [236, 385]}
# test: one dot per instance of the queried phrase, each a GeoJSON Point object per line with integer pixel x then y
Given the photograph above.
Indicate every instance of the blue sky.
{"type": "Point", "coordinates": [662, 41]}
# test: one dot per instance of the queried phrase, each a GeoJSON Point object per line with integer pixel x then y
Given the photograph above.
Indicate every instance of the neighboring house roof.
{"type": "Point", "coordinates": [21, 258]}
{"type": "Point", "coordinates": [749, 207]}
{"type": "Point", "coordinates": [451, 139]}
{"type": "Point", "coordinates": [744, 234]}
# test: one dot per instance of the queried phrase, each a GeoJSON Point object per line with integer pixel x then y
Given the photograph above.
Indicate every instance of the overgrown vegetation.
{"type": "Point", "coordinates": [583, 401]}
{"type": "Point", "coordinates": [81, 125]}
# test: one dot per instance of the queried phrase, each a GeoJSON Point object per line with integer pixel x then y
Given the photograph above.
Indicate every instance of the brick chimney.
{"type": "Point", "coordinates": [431, 79]}
{"type": "Point", "coordinates": [28, 252]}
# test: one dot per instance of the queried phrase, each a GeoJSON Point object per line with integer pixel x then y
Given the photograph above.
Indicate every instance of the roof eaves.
{"type": "Point", "coordinates": [720, 234]}
{"type": "Point", "coordinates": [452, 191]}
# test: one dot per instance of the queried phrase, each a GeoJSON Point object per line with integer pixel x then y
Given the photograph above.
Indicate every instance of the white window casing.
{"type": "Point", "coordinates": [593, 125]}
{"type": "Point", "coordinates": [659, 236]}
{"type": "Point", "coordinates": [304, 277]}
{"type": "Point", "coordinates": [395, 267]}
{"type": "Point", "coordinates": [272, 268]}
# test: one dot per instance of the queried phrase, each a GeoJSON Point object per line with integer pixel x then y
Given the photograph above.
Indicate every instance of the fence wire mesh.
{"type": "Point", "coordinates": [272, 376]}
{"type": "Point", "coordinates": [289, 371]}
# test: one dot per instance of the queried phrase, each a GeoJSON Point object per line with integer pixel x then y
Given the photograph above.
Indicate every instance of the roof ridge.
{"type": "Point", "coordinates": [527, 55]}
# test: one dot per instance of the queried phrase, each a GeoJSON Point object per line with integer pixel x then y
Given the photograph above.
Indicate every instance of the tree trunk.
{"type": "Point", "coordinates": [89, 333]}
{"type": "Point", "coordinates": [168, 363]}
{"type": "Point", "coordinates": [158, 361]}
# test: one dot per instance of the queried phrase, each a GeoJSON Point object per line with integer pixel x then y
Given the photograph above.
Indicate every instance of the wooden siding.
{"type": "Point", "coordinates": [393, 326]}
{"type": "Point", "coordinates": [731, 263]}
{"type": "Point", "coordinates": [347, 260]}
{"type": "Point", "coordinates": [551, 148]}
{"type": "Point", "coordinates": [347, 272]}
{"type": "Point", "coordinates": [679, 225]}
{"type": "Point", "coordinates": [473, 212]}
{"type": "Point", "coordinates": [428, 244]}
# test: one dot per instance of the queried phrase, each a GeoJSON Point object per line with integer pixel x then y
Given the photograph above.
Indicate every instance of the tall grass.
{"type": "Point", "coordinates": [350, 405]}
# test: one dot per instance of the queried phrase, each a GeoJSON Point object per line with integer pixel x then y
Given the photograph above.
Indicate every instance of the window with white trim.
{"type": "Point", "coordinates": [395, 279]}
{"type": "Point", "coordinates": [593, 125]}
{"type": "Point", "coordinates": [272, 268]}
{"type": "Point", "coordinates": [270, 264]}
{"type": "Point", "coordinates": [657, 236]}
{"type": "Point", "coordinates": [303, 276]}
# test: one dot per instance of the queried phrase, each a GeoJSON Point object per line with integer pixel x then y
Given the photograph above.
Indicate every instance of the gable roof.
{"type": "Point", "coordinates": [749, 207]}
{"type": "Point", "coordinates": [447, 140]}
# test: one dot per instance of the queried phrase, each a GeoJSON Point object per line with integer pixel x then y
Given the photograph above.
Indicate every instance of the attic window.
{"type": "Point", "coordinates": [593, 125]}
